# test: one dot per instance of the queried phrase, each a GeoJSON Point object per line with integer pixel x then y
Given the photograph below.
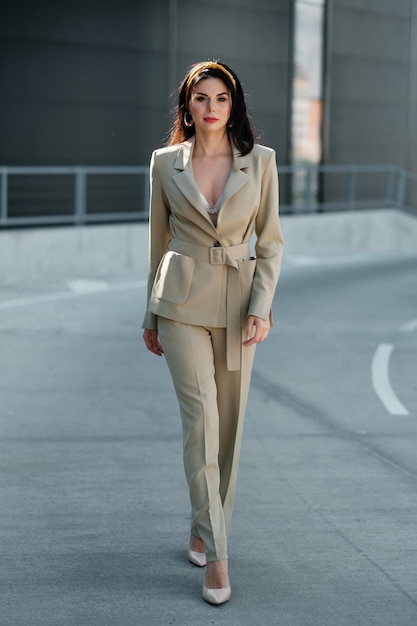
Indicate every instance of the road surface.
{"type": "Point", "coordinates": [94, 505]}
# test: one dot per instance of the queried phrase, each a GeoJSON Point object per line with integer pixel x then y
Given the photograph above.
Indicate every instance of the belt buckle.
{"type": "Point", "coordinates": [217, 255]}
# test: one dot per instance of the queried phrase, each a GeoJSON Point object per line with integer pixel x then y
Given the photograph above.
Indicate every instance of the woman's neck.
{"type": "Point", "coordinates": [211, 145]}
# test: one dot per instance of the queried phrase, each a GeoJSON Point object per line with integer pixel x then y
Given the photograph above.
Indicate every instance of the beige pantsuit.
{"type": "Point", "coordinates": [203, 284]}
{"type": "Point", "coordinates": [212, 402]}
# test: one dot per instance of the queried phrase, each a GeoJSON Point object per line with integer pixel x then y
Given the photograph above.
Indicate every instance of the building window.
{"type": "Point", "coordinates": [307, 98]}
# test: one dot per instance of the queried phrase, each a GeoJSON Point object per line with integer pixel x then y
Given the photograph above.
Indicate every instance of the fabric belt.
{"type": "Point", "coordinates": [219, 255]}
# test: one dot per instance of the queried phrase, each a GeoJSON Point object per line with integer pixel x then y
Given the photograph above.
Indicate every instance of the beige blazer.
{"type": "Point", "coordinates": [201, 274]}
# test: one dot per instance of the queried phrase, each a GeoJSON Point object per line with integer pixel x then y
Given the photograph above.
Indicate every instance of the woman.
{"type": "Point", "coordinates": [209, 300]}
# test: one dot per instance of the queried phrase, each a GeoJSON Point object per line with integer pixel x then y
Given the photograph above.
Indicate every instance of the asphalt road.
{"type": "Point", "coordinates": [94, 506]}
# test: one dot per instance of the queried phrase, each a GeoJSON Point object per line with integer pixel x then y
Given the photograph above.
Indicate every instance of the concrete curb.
{"type": "Point", "coordinates": [114, 249]}
{"type": "Point", "coordinates": [54, 253]}
{"type": "Point", "coordinates": [383, 231]}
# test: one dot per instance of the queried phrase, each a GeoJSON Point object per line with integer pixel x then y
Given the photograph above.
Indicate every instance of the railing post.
{"type": "Point", "coordinates": [309, 187]}
{"type": "Point", "coordinates": [399, 196]}
{"type": "Point", "coordinates": [351, 187]}
{"type": "Point", "coordinates": [3, 197]}
{"type": "Point", "coordinates": [389, 186]}
{"type": "Point", "coordinates": [80, 195]}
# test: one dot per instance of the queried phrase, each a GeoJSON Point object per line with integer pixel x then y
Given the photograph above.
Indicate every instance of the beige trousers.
{"type": "Point", "coordinates": [212, 403]}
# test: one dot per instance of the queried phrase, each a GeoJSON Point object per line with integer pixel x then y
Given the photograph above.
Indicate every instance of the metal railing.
{"type": "Point", "coordinates": [72, 195]}
{"type": "Point", "coordinates": [346, 187]}
{"type": "Point", "coordinates": [81, 195]}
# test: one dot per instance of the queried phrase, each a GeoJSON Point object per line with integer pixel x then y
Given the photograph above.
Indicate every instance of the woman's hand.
{"type": "Point", "coordinates": [152, 342]}
{"type": "Point", "coordinates": [257, 330]}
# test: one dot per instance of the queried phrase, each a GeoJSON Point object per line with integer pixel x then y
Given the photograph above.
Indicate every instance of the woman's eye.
{"type": "Point", "coordinates": [200, 98]}
{"type": "Point", "coordinates": [222, 99]}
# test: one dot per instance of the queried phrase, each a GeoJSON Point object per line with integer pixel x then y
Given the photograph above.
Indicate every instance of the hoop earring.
{"type": "Point", "coordinates": [189, 124]}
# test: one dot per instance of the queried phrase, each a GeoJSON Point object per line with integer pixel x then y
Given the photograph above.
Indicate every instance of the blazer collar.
{"type": "Point", "coordinates": [185, 153]}
{"type": "Point", "coordinates": [185, 181]}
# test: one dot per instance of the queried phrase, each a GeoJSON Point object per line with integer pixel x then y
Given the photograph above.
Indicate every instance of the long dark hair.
{"type": "Point", "coordinates": [239, 127]}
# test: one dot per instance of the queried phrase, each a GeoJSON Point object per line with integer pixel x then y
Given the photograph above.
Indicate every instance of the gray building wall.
{"type": "Point", "coordinates": [82, 82]}
{"type": "Point", "coordinates": [90, 82]}
{"type": "Point", "coordinates": [94, 82]}
{"type": "Point", "coordinates": [371, 105]}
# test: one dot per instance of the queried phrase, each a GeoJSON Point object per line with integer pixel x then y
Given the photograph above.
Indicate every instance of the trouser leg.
{"type": "Point", "coordinates": [212, 403]}
{"type": "Point", "coordinates": [232, 395]}
{"type": "Point", "coordinates": [189, 354]}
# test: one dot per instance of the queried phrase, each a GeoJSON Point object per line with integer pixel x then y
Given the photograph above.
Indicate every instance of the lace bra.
{"type": "Point", "coordinates": [212, 210]}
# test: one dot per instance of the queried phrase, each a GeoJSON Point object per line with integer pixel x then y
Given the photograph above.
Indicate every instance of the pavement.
{"type": "Point", "coordinates": [94, 505]}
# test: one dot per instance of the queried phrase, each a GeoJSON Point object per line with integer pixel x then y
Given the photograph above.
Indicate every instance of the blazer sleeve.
{"type": "Point", "coordinates": [159, 233]}
{"type": "Point", "coordinates": [269, 244]}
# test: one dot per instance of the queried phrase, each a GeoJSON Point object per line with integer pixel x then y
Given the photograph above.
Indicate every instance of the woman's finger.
{"type": "Point", "coordinates": [256, 331]}
{"type": "Point", "coordinates": [152, 342]}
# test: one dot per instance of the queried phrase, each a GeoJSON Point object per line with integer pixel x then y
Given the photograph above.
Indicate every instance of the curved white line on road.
{"type": "Point", "coordinates": [381, 382]}
{"type": "Point", "coordinates": [67, 295]}
{"type": "Point", "coordinates": [408, 327]}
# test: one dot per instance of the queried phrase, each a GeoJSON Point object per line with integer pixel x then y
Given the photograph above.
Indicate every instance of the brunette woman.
{"type": "Point", "coordinates": [209, 299]}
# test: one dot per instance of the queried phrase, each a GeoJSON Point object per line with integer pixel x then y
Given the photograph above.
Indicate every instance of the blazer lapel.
{"type": "Point", "coordinates": [237, 177]}
{"type": "Point", "coordinates": [185, 181]}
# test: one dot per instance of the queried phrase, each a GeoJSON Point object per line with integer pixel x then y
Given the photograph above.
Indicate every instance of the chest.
{"type": "Point", "coordinates": [211, 176]}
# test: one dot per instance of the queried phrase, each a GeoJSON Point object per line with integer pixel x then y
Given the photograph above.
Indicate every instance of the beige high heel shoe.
{"type": "Point", "coordinates": [217, 596]}
{"type": "Point", "coordinates": [197, 558]}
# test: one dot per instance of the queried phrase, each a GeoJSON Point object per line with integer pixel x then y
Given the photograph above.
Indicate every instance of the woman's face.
{"type": "Point", "coordinates": [210, 105]}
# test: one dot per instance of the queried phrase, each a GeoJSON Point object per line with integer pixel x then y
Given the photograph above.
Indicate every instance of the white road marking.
{"type": "Point", "coordinates": [408, 327]}
{"type": "Point", "coordinates": [87, 285]}
{"type": "Point", "coordinates": [381, 381]}
{"type": "Point", "coordinates": [67, 295]}
{"type": "Point", "coordinates": [297, 260]}
{"type": "Point", "coordinates": [300, 261]}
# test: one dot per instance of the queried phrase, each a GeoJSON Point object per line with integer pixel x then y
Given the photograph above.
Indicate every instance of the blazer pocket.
{"type": "Point", "coordinates": [246, 272]}
{"type": "Point", "coordinates": [173, 278]}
